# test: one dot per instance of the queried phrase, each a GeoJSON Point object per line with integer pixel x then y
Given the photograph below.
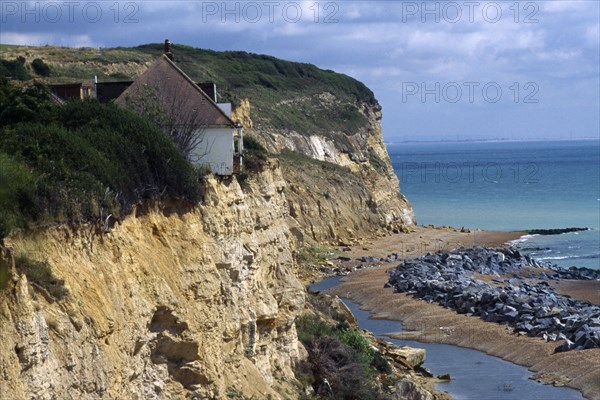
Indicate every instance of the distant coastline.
{"type": "Point", "coordinates": [492, 140]}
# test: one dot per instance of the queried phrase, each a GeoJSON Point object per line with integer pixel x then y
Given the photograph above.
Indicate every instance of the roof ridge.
{"type": "Point", "coordinates": [190, 80]}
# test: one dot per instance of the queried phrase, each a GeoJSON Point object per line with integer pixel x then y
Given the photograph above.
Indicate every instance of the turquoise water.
{"type": "Point", "coordinates": [509, 186]}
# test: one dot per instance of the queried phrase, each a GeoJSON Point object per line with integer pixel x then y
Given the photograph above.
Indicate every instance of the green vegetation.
{"type": "Point", "coordinates": [4, 273]}
{"type": "Point", "coordinates": [377, 162]}
{"type": "Point", "coordinates": [39, 274]}
{"type": "Point", "coordinates": [247, 71]}
{"type": "Point", "coordinates": [327, 168]}
{"type": "Point", "coordinates": [14, 69]}
{"type": "Point", "coordinates": [254, 159]}
{"type": "Point", "coordinates": [339, 354]}
{"type": "Point", "coordinates": [236, 394]}
{"type": "Point", "coordinates": [255, 155]}
{"type": "Point", "coordinates": [80, 161]}
{"type": "Point", "coordinates": [40, 67]}
{"type": "Point", "coordinates": [285, 95]}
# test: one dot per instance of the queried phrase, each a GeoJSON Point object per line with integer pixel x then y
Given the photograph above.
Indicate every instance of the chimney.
{"type": "Point", "coordinates": [168, 49]}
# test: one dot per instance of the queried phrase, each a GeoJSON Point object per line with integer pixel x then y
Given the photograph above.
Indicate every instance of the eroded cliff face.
{"type": "Point", "coordinates": [177, 302]}
{"type": "Point", "coordinates": [331, 205]}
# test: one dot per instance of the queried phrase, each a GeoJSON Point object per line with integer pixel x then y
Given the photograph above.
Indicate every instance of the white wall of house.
{"type": "Point", "coordinates": [215, 150]}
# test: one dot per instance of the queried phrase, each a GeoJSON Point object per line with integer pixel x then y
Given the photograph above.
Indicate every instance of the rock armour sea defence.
{"type": "Point", "coordinates": [517, 293]}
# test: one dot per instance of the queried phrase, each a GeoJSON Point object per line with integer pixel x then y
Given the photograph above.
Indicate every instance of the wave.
{"type": "Point", "coordinates": [589, 256]}
{"type": "Point", "coordinates": [535, 252]}
{"type": "Point", "coordinates": [522, 239]}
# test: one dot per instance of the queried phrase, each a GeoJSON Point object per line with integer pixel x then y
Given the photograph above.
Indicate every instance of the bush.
{"type": "Point", "coordinates": [40, 67]}
{"type": "Point", "coordinates": [339, 373]}
{"type": "Point", "coordinates": [17, 194]}
{"type": "Point", "coordinates": [30, 105]}
{"type": "Point", "coordinates": [255, 155]}
{"type": "Point", "coordinates": [355, 340]}
{"type": "Point", "coordinates": [14, 69]}
{"type": "Point", "coordinates": [341, 355]}
{"type": "Point", "coordinates": [86, 157]}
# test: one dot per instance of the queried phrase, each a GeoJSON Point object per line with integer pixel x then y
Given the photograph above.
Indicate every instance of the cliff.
{"type": "Point", "coordinates": [180, 300]}
{"type": "Point", "coordinates": [173, 301]}
{"type": "Point", "coordinates": [317, 114]}
{"type": "Point", "coordinates": [340, 186]}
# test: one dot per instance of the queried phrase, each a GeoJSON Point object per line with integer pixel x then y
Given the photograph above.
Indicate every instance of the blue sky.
{"type": "Point", "coordinates": [441, 70]}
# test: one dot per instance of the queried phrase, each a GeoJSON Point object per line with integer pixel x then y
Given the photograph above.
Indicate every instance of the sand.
{"type": "Point", "coordinates": [433, 323]}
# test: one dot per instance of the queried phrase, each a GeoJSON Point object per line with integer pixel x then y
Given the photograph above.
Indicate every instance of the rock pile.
{"type": "Point", "coordinates": [531, 307]}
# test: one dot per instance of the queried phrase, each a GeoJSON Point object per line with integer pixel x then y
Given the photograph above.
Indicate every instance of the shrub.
{"type": "Point", "coordinates": [380, 363]}
{"type": "Point", "coordinates": [311, 328]}
{"type": "Point", "coordinates": [255, 155]}
{"type": "Point", "coordinates": [14, 69]}
{"type": "Point", "coordinates": [341, 355]}
{"type": "Point", "coordinates": [340, 366]}
{"type": "Point", "coordinates": [355, 340]}
{"type": "Point", "coordinates": [30, 105]}
{"type": "Point", "coordinates": [40, 67]}
{"type": "Point", "coordinates": [17, 194]}
{"type": "Point", "coordinates": [86, 156]}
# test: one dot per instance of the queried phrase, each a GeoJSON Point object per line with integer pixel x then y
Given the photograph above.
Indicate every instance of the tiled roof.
{"type": "Point", "coordinates": [177, 91]}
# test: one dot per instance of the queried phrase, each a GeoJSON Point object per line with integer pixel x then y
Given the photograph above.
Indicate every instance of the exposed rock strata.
{"type": "Point", "coordinates": [360, 199]}
{"type": "Point", "coordinates": [173, 302]}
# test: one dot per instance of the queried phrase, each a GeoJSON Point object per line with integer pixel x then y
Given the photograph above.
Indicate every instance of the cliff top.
{"type": "Point", "coordinates": [285, 95]}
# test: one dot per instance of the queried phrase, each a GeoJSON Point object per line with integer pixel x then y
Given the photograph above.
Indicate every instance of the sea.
{"type": "Point", "coordinates": [509, 186]}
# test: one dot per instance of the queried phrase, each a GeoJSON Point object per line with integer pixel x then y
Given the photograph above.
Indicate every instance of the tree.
{"type": "Point", "coordinates": [14, 69]}
{"type": "Point", "coordinates": [40, 67]}
{"type": "Point", "coordinates": [162, 105]}
{"type": "Point", "coordinates": [31, 104]}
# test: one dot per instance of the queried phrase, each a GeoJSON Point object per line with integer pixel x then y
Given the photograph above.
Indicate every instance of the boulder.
{"type": "Point", "coordinates": [407, 389]}
{"type": "Point", "coordinates": [409, 356]}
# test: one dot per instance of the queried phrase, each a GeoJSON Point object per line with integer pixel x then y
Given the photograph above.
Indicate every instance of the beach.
{"type": "Point", "coordinates": [434, 323]}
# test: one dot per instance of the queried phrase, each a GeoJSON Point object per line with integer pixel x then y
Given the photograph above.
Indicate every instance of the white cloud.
{"type": "Point", "coordinates": [42, 39]}
{"type": "Point", "coordinates": [561, 6]}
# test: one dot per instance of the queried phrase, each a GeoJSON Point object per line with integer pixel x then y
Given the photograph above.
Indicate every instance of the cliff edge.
{"type": "Point", "coordinates": [174, 301]}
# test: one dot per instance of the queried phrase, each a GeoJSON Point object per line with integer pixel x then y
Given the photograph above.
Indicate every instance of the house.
{"type": "Point", "coordinates": [107, 91]}
{"type": "Point", "coordinates": [67, 91]}
{"type": "Point", "coordinates": [191, 114]}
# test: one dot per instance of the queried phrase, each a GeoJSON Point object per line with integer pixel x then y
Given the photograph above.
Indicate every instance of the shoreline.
{"type": "Point", "coordinates": [433, 323]}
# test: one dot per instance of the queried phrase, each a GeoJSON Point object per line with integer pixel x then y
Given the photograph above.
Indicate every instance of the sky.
{"type": "Point", "coordinates": [441, 70]}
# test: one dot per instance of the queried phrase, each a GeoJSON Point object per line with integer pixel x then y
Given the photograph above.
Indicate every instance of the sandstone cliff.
{"type": "Point", "coordinates": [173, 302]}
{"type": "Point", "coordinates": [361, 198]}
{"type": "Point", "coordinates": [320, 114]}
{"type": "Point", "coordinates": [199, 301]}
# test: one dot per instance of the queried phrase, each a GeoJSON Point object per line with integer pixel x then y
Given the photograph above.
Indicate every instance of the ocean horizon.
{"type": "Point", "coordinates": [509, 186]}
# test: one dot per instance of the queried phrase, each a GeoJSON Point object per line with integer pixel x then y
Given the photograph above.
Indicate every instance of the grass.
{"type": "Point", "coordinates": [285, 95]}
{"type": "Point", "coordinates": [377, 163]}
{"type": "Point", "coordinates": [298, 160]}
{"type": "Point", "coordinates": [40, 274]}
